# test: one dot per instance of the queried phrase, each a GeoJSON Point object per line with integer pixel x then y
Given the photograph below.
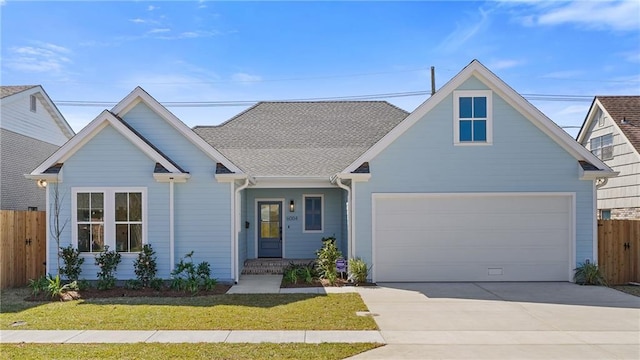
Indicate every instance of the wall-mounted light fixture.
{"type": "Point", "coordinates": [42, 183]}
{"type": "Point", "coordinates": [292, 206]}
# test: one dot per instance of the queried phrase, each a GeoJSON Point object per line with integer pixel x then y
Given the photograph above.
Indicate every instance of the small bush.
{"type": "Point", "coordinates": [108, 262]}
{"type": "Point", "coordinates": [295, 273]}
{"type": "Point", "coordinates": [358, 271]}
{"type": "Point", "coordinates": [83, 284]}
{"type": "Point", "coordinates": [188, 277]}
{"type": "Point", "coordinates": [39, 285]}
{"type": "Point", "coordinates": [156, 284]}
{"type": "Point", "coordinates": [327, 256]}
{"type": "Point", "coordinates": [145, 266]}
{"type": "Point", "coordinates": [56, 288]}
{"type": "Point", "coordinates": [589, 274]}
{"type": "Point", "coordinates": [72, 263]}
{"type": "Point", "coordinates": [133, 284]}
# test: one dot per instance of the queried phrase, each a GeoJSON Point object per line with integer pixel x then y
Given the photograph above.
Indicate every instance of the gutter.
{"type": "Point", "coordinates": [338, 181]}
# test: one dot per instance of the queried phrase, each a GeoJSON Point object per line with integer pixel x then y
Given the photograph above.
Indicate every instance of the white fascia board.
{"type": "Point", "coordinates": [88, 132]}
{"type": "Point", "coordinates": [475, 68]}
{"type": "Point", "coordinates": [50, 178]}
{"type": "Point", "coordinates": [167, 177]}
{"type": "Point", "coordinates": [584, 130]}
{"type": "Point", "coordinates": [292, 182]}
{"type": "Point", "coordinates": [596, 174]}
{"type": "Point", "coordinates": [138, 94]}
{"type": "Point", "coordinates": [356, 177]}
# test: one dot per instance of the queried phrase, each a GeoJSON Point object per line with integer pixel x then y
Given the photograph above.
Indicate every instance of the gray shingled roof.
{"type": "Point", "coordinates": [302, 138]}
{"type": "Point", "coordinates": [10, 90]}
{"type": "Point", "coordinates": [628, 108]}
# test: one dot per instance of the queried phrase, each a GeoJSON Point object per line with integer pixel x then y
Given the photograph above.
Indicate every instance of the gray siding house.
{"type": "Point", "coordinates": [476, 184]}
{"type": "Point", "coordinates": [611, 131]}
{"type": "Point", "coordinates": [31, 129]}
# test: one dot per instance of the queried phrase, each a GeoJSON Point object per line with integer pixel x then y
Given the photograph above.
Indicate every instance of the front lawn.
{"type": "Point", "coordinates": [218, 312]}
{"type": "Point", "coordinates": [183, 351]}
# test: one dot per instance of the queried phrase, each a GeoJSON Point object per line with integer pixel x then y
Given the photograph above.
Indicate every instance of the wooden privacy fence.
{"type": "Point", "coordinates": [619, 250]}
{"type": "Point", "coordinates": [23, 245]}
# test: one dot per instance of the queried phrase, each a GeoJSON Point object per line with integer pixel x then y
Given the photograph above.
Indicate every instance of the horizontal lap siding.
{"type": "Point", "coordinates": [202, 205]}
{"type": "Point", "coordinates": [521, 159]}
{"type": "Point", "coordinates": [110, 160]}
{"type": "Point", "coordinates": [17, 117]}
{"type": "Point", "coordinates": [298, 244]}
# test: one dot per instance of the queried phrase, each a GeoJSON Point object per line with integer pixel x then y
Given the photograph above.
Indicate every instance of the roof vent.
{"type": "Point", "coordinates": [624, 121]}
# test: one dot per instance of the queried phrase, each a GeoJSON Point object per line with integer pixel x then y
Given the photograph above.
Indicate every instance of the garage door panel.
{"type": "Point", "coordinates": [461, 237]}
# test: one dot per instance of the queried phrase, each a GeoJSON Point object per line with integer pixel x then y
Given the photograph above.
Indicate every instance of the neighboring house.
{"type": "Point", "coordinates": [31, 129]}
{"type": "Point", "coordinates": [476, 184]}
{"type": "Point", "coordinates": [611, 130]}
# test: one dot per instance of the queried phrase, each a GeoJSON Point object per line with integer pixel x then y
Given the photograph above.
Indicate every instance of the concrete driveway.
{"type": "Point", "coordinates": [503, 321]}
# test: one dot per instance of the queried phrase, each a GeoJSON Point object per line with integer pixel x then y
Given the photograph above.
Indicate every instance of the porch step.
{"type": "Point", "coordinates": [270, 266]}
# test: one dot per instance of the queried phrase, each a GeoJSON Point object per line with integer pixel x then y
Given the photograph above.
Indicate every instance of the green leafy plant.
{"type": "Point", "coordinates": [327, 256]}
{"type": "Point", "coordinates": [589, 274]}
{"type": "Point", "coordinates": [156, 284]}
{"type": "Point", "coordinates": [188, 277]}
{"type": "Point", "coordinates": [39, 285]}
{"type": "Point", "coordinates": [145, 266]}
{"type": "Point", "coordinates": [108, 262]}
{"type": "Point", "coordinates": [133, 284]}
{"type": "Point", "coordinates": [83, 284]}
{"type": "Point", "coordinates": [294, 273]}
{"type": "Point", "coordinates": [358, 271]}
{"type": "Point", "coordinates": [56, 288]}
{"type": "Point", "coordinates": [72, 263]}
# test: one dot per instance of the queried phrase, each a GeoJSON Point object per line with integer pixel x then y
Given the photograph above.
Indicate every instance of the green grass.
{"type": "Point", "coordinates": [219, 312]}
{"type": "Point", "coordinates": [183, 351]}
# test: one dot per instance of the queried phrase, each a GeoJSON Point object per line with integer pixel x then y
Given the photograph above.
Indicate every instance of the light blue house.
{"type": "Point", "coordinates": [475, 185]}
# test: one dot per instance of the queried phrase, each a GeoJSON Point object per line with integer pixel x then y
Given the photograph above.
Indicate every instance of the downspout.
{"type": "Point", "coordinates": [349, 212]}
{"type": "Point", "coordinates": [172, 253]}
{"type": "Point", "coordinates": [236, 233]}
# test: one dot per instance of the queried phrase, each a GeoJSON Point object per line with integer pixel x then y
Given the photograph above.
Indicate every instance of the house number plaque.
{"type": "Point", "coordinates": [292, 218]}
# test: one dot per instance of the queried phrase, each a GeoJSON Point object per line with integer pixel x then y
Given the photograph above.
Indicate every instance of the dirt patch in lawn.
{"type": "Point", "coordinates": [119, 292]}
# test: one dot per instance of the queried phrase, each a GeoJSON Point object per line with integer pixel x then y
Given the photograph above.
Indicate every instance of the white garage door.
{"type": "Point", "coordinates": [472, 237]}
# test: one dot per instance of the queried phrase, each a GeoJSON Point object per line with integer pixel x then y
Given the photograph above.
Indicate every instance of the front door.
{"type": "Point", "coordinates": [270, 230]}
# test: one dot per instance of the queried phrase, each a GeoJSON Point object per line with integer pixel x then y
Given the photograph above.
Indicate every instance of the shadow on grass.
{"type": "Point", "coordinates": [12, 300]}
{"type": "Point", "coordinates": [246, 300]}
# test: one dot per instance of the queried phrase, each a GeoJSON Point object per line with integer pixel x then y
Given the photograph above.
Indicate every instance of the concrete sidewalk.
{"type": "Point", "coordinates": [270, 284]}
{"type": "Point", "coordinates": [187, 336]}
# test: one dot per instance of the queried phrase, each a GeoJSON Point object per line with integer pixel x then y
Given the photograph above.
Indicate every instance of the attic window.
{"type": "Point", "coordinates": [472, 119]}
{"type": "Point", "coordinates": [602, 147]}
{"type": "Point", "coordinates": [32, 103]}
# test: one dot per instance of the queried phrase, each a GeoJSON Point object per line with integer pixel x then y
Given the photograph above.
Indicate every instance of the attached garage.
{"type": "Point", "coordinates": [473, 237]}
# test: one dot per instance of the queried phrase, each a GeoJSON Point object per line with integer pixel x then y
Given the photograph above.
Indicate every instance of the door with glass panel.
{"type": "Point", "coordinates": [269, 229]}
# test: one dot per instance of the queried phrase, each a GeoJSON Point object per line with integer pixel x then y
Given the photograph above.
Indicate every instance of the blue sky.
{"type": "Point", "coordinates": [200, 51]}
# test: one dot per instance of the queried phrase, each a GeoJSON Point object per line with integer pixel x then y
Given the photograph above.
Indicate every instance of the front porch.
{"type": "Point", "coordinates": [270, 266]}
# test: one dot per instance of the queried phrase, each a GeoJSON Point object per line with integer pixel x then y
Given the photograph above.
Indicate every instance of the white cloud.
{"type": "Point", "coordinates": [159, 30]}
{"type": "Point", "coordinates": [187, 35]}
{"type": "Point", "coordinates": [564, 74]}
{"type": "Point", "coordinates": [601, 15]}
{"type": "Point", "coordinates": [244, 77]}
{"type": "Point", "coordinates": [465, 32]}
{"type": "Point", "coordinates": [138, 21]}
{"type": "Point", "coordinates": [42, 57]}
{"type": "Point", "coordinates": [151, 8]}
{"type": "Point", "coordinates": [504, 64]}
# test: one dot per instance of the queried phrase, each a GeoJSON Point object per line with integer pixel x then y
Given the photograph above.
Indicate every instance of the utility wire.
{"type": "Point", "coordinates": [535, 97]}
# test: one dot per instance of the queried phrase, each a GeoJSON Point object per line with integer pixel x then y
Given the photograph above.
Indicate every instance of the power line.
{"type": "Point", "coordinates": [98, 103]}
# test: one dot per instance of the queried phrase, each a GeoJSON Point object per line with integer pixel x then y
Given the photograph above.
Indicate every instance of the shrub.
{"type": "Point", "coordinates": [108, 262]}
{"type": "Point", "coordinates": [189, 277]}
{"type": "Point", "coordinates": [72, 263]}
{"type": "Point", "coordinates": [327, 256]}
{"type": "Point", "coordinates": [294, 273]}
{"type": "Point", "coordinates": [145, 266]}
{"type": "Point", "coordinates": [133, 284]}
{"type": "Point", "coordinates": [358, 271]}
{"type": "Point", "coordinates": [56, 288]}
{"type": "Point", "coordinates": [589, 274]}
{"type": "Point", "coordinates": [39, 285]}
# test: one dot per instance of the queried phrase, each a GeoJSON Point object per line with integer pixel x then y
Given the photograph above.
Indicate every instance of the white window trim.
{"type": "Point", "coordinates": [304, 213]}
{"type": "Point", "coordinates": [601, 157]}
{"type": "Point", "coordinates": [109, 214]}
{"type": "Point", "coordinates": [456, 116]}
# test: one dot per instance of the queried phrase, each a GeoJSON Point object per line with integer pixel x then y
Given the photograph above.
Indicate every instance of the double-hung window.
{"type": "Point", "coordinates": [472, 117]}
{"type": "Point", "coordinates": [113, 217]}
{"type": "Point", "coordinates": [602, 147]}
{"type": "Point", "coordinates": [313, 213]}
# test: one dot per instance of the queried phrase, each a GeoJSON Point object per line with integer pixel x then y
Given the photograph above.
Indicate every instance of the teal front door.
{"type": "Point", "coordinates": [270, 230]}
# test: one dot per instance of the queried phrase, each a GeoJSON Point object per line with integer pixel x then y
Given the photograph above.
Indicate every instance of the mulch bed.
{"type": "Point", "coordinates": [122, 292]}
{"type": "Point", "coordinates": [320, 283]}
